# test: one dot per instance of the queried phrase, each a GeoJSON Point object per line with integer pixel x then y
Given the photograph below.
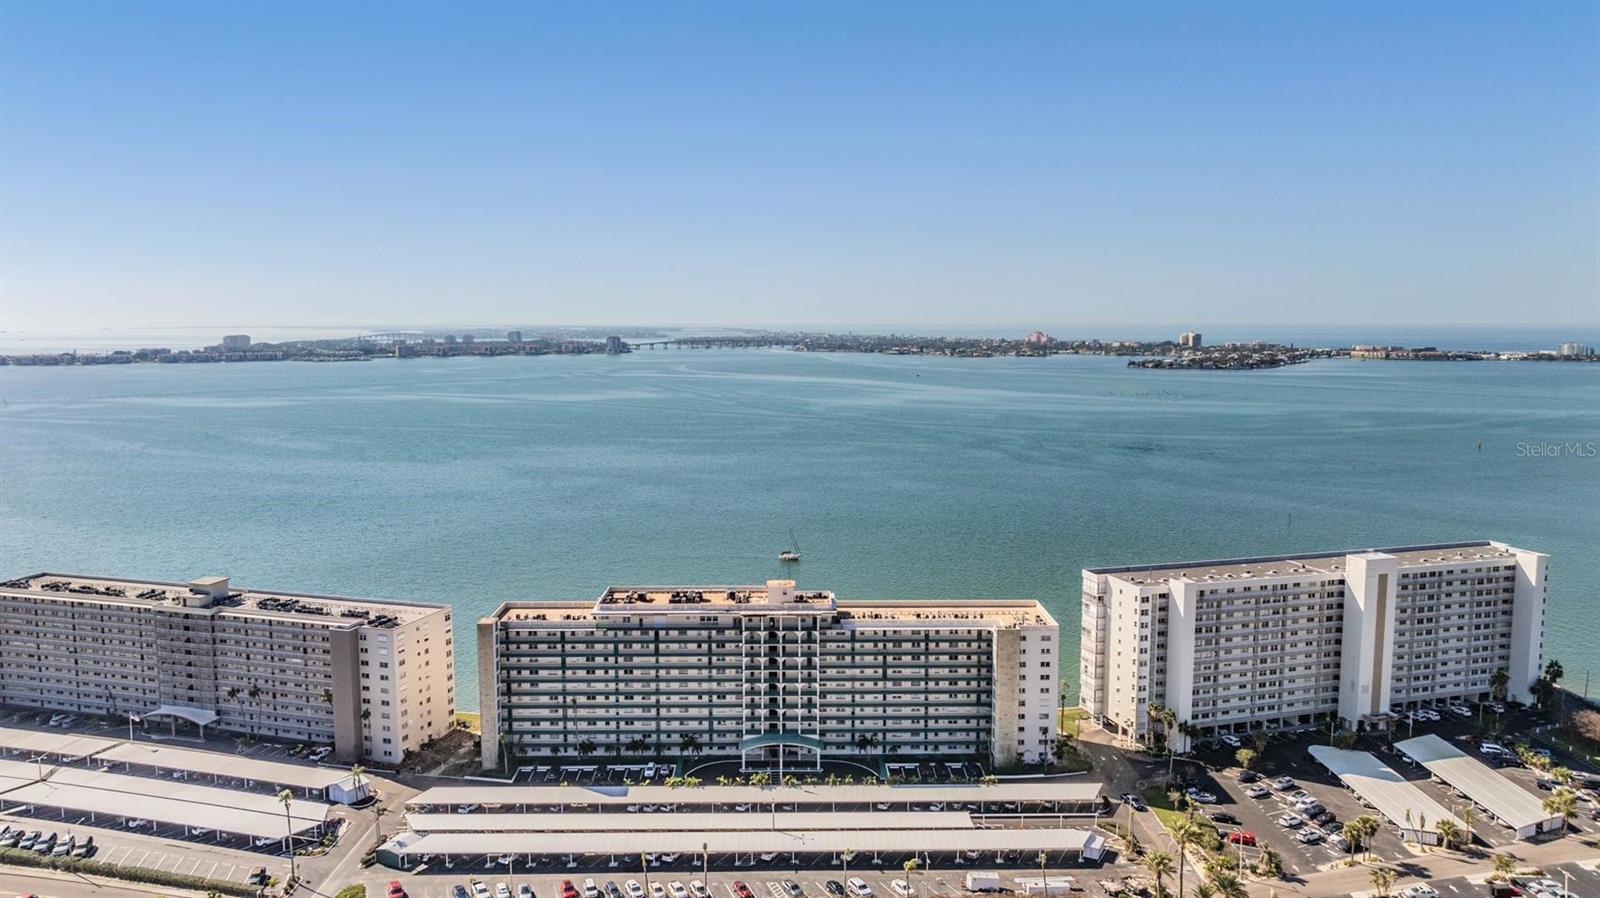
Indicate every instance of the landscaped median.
{"type": "Point", "coordinates": [90, 867]}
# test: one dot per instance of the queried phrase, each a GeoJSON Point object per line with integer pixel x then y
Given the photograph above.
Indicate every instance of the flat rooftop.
{"type": "Point", "coordinates": [1391, 794]}
{"type": "Point", "coordinates": [216, 593]}
{"type": "Point", "coordinates": [776, 595]}
{"type": "Point", "coordinates": [1313, 564]}
{"type": "Point", "coordinates": [719, 822]}
{"type": "Point", "coordinates": [1514, 805]}
{"type": "Point", "coordinates": [746, 842]}
{"type": "Point", "coordinates": [896, 797]}
{"type": "Point", "coordinates": [176, 803]}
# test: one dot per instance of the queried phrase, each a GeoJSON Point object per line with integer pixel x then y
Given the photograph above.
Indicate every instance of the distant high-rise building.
{"type": "Point", "coordinates": [1189, 339]}
{"type": "Point", "coordinates": [513, 336]}
{"type": "Point", "coordinates": [615, 345]}
{"type": "Point", "coordinates": [235, 342]}
{"type": "Point", "coordinates": [466, 338]}
{"type": "Point", "coordinates": [1574, 349]}
{"type": "Point", "coordinates": [450, 339]}
{"type": "Point", "coordinates": [1039, 338]}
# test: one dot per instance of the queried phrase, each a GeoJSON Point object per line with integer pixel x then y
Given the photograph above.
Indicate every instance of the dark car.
{"type": "Point", "coordinates": [612, 889]}
{"type": "Point", "coordinates": [1324, 818]}
{"type": "Point", "coordinates": [1248, 776]}
{"type": "Point", "coordinates": [1223, 817]}
{"type": "Point", "coordinates": [1134, 801]}
{"type": "Point", "coordinates": [834, 887]}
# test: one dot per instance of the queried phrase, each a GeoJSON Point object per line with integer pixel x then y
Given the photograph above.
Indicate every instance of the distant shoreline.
{"type": "Point", "coordinates": [1160, 354]}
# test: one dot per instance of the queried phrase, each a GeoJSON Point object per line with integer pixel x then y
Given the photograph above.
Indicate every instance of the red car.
{"type": "Point", "coordinates": [742, 890]}
{"type": "Point", "coordinates": [1242, 837]}
{"type": "Point", "coordinates": [395, 891]}
{"type": "Point", "coordinates": [568, 890]}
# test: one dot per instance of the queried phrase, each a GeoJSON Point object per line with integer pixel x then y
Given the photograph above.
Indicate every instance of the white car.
{"type": "Point", "coordinates": [1420, 890]}
{"type": "Point", "coordinates": [501, 890]}
{"type": "Point", "coordinates": [1461, 710]}
{"type": "Point", "coordinates": [1201, 796]}
{"type": "Point", "coordinates": [677, 889]}
{"type": "Point", "coordinates": [698, 889]}
{"type": "Point", "coordinates": [140, 824]}
{"type": "Point", "coordinates": [1427, 714]}
{"type": "Point", "coordinates": [1309, 836]}
{"type": "Point", "coordinates": [479, 889]}
{"type": "Point", "coordinates": [901, 887]}
{"type": "Point", "coordinates": [591, 889]}
{"type": "Point", "coordinates": [1258, 791]}
{"type": "Point", "coordinates": [1283, 783]}
{"type": "Point", "coordinates": [1291, 820]}
{"type": "Point", "coordinates": [634, 889]}
{"type": "Point", "coordinates": [1231, 740]}
{"type": "Point", "coordinates": [1542, 887]}
{"type": "Point", "coordinates": [656, 890]}
{"type": "Point", "coordinates": [858, 887]}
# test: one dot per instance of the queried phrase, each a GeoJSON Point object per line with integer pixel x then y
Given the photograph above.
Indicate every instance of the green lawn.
{"type": "Point", "coordinates": [1161, 806]}
{"type": "Point", "coordinates": [1067, 720]}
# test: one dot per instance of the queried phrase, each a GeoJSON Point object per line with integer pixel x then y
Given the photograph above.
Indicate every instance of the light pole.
{"type": "Point", "coordinates": [705, 865]}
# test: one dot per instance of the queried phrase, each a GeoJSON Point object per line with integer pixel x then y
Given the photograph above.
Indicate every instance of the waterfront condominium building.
{"type": "Point", "coordinates": [780, 678]}
{"type": "Point", "coordinates": [1298, 640]}
{"type": "Point", "coordinates": [372, 678]}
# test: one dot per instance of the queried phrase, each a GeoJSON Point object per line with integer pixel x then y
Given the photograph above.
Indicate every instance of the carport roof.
{"type": "Point", "coordinates": [53, 743]}
{"type": "Point", "coordinates": [158, 808]}
{"type": "Point", "coordinates": [1503, 798]}
{"type": "Point", "coordinates": [726, 822]}
{"type": "Point", "coordinates": [823, 841]}
{"type": "Point", "coordinates": [1076, 791]}
{"type": "Point", "coordinates": [169, 757]}
{"type": "Point", "coordinates": [138, 786]}
{"type": "Point", "coordinates": [1390, 793]}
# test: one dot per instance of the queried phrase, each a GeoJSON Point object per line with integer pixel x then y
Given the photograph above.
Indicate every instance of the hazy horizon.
{"type": "Point", "coordinates": [850, 165]}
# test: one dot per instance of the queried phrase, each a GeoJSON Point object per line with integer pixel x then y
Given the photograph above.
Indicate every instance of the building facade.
{"type": "Point", "coordinates": [372, 678]}
{"type": "Point", "coordinates": [1189, 340]}
{"type": "Point", "coordinates": [1301, 640]}
{"type": "Point", "coordinates": [780, 678]}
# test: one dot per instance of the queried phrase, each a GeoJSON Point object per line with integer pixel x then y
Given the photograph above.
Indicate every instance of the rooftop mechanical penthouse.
{"type": "Point", "coordinates": [371, 677]}
{"type": "Point", "coordinates": [778, 677]}
{"type": "Point", "coordinates": [1294, 640]}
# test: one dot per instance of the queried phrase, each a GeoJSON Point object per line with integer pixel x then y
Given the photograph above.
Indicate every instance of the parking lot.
{"type": "Point", "coordinates": [1286, 755]}
{"type": "Point", "coordinates": [127, 849]}
{"type": "Point", "coordinates": [763, 884]}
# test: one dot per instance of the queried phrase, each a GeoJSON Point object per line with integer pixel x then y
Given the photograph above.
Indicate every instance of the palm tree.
{"type": "Point", "coordinates": [1382, 881]}
{"type": "Point", "coordinates": [1564, 803]}
{"type": "Point", "coordinates": [327, 696]}
{"type": "Point", "coordinates": [587, 747]}
{"type": "Point", "coordinates": [287, 797]}
{"type": "Point", "coordinates": [1043, 858]}
{"type": "Point", "coordinates": [1498, 682]}
{"type": "Point", "coordinates": [1185, 832]}
{"type": "Point", "coordinates": [1154, 712]}
{"type": "Point", "coordinates": [689, 744]}
{"type": "Point", "coordinates": [1504, 866]}
{"type": "Point", "coordinates": [1449, 832]}
{"type": "Point", "coordinates": [910, 866]}
{"type": "Point", "coordinates": [1366, 826]}
{"type": "Point", "coordinates": [845, 857]}
{"type": "Point", "coordinates": [1229, 885]}
{"type": "Point", "coordinates": [1203, 890]}
{"type": "Point", "coordinates": [1562, 775]}
{"type": "Point", "coordinates": [1159, 863]}
{"type": "Point", "coordinates": [1245, 757]}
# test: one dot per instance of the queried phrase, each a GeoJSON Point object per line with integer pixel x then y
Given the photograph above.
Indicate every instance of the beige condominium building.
{"type": "Point", "coordinates": [1300, 640]}
{"type": "Point", "coordinates": [778, 677]}
{"type": "Point", "coordinates": [372, 678]}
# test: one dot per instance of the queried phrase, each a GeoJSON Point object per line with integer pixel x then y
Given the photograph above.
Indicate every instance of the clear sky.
{"type": "Point", "coordinates": [769, 163]}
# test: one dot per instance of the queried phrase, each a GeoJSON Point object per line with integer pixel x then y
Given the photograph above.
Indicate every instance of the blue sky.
{"type": "Point", "coordinates": [770, 163]}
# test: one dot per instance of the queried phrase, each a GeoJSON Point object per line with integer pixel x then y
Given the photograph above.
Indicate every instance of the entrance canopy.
{"type": "Point", "coordinates": [198, 716]}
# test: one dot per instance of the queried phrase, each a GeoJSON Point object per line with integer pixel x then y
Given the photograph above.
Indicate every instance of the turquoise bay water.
{"type": "Point", "coordinates": [478, 480]}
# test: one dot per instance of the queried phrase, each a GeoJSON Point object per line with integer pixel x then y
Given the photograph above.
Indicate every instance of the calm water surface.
{"type": "Point", "coordinates": [475, 481]}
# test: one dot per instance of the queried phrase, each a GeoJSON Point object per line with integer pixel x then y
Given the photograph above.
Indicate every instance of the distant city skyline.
{"type": "Point", "coordinates": [800, 165]}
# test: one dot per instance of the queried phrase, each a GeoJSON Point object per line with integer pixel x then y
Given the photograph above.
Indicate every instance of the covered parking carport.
{"type": "Point", "coordinates": [1412, 812]}
{"type": "Point", "coordinates": [1515, 807]}
{"type": "Point", "coordinates": [1077, 797]}
{"type": "Point", "coordinates": [752, 848]}
{"type": "Point", "coordinates": [234, 771]}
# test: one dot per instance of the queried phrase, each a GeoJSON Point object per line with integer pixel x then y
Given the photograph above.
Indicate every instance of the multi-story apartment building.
{"type": "Point", "coordinates": [775, 676]}
{"type": "Point", "coordinates": [372, 678]}
{"type": "Point", "coordinates": [1297, 640]}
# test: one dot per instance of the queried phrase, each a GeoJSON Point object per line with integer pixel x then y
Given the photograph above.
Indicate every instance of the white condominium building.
{"type": "Point", "coordinates": [370, 677]}
{"type": "Point", "coordinates": [775, 676]}
{"type": "Point", "coordinates": [1294, 640]}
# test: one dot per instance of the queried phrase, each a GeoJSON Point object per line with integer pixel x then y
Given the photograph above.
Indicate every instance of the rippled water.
{"type": "Point", "coordinates": [475, 481]}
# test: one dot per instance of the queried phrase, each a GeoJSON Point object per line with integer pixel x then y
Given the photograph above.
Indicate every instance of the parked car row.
{"type": "Point", "coordinates": [46, 842]}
